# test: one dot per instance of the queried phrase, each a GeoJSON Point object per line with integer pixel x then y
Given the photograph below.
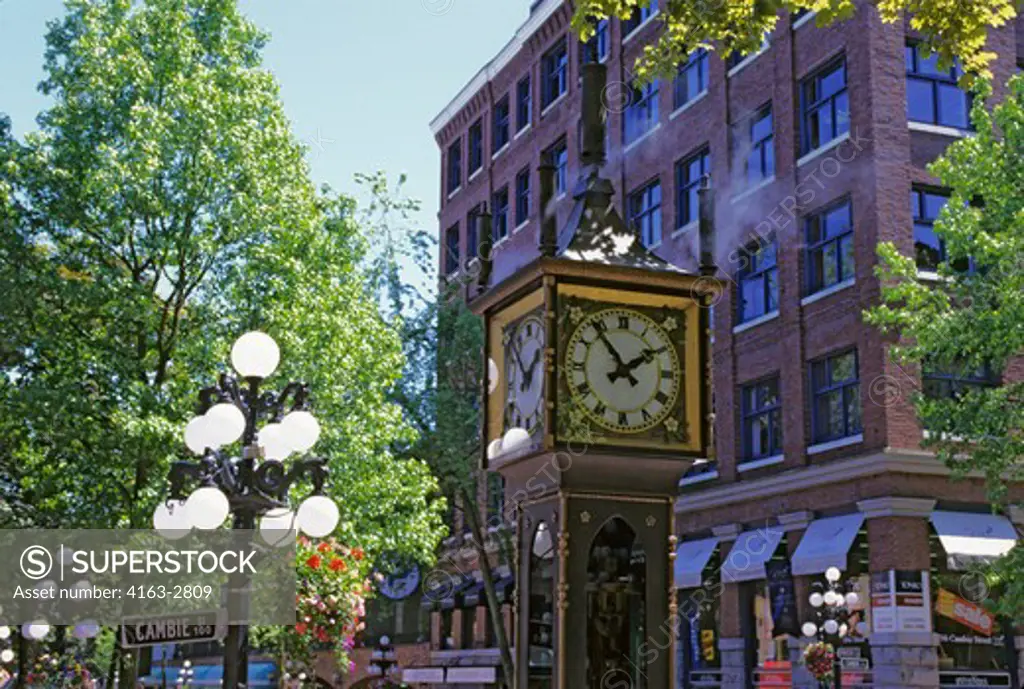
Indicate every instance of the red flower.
{"type": "Point", "coordinates": [338, 565]}
{"type": "Point", "coordinates": [357, 553]}
{"type": "Point", "coordinates": [321, 634]}
{"type": "Point", "coordinates": [324, 547]}
{"type": "Point", "coordinates": [300, 628]}
{"type": "Point", "coordinates": [314, 561]}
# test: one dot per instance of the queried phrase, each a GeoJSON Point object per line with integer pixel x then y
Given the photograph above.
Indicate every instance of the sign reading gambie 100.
{"type": "Point", "coordinates": [184, 628]}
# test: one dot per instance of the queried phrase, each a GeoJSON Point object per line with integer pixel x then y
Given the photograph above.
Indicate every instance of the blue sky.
{"type": "Point", "coordinates": [360, 79]}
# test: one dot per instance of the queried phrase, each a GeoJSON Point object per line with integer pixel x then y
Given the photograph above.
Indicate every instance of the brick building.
{"type": "Point", "coordinates": [814, 146]}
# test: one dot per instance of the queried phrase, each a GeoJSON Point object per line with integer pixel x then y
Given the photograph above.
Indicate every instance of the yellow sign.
{"type": "Point", "coordinates": [965, 612]}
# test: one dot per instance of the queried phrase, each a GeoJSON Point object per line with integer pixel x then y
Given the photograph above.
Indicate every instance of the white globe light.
{"type": "Point", "coordinates": [86, 630]}
{"type": "Point", "coordinates": [35, 631]}
{"type": "Point", "coordinates": [275, 442]}
{"type": "Point", "coordinates": [809, 629]}
{"type": "Point", "coordinates": [5, 633]}
{"type": "Point", "coordinates": [207, 508]}
{"type": "Point", "coordinates": [6, 655]}
{"type": "Point", "coordinates": [494, 449]}
{"type": "Point", "coordinates": [843, 629]}
{"type": "Point", "coordinates": [277, 527]}
{"type": "Point", "coordinates": [832, 574]}
{"type": "Point", "coordinates": [852, 598]}
{"type": "Point", "coordinates": [816, 600]}
{"type": "Point", "coordinates": [226, 423]}
{"type": "Point", "coordinates": [171, 521]}
{"type": "Point", "coordinates": [831, 626]}
{"type": "Point", "coordinates": [862, 628]}
{"type": "Point", "coordinates": [514, 439]}
{"type": "Point", "coordinates": [318, 515]}
{"type": "Point", "coordinates": [199, 436]}
{"type": "Point", "coordinates": [492, 376]}
{"type": "Point", "coordinates": [830, 598]}
{"type": "Point", "coordinates": [302, 428]}
{"type": "Point", "coordinates": [255, 355]}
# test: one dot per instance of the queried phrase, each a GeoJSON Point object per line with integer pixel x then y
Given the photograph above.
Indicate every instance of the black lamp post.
{"type": "Point", "coordinates": [254, 486]}
{"type": "Point", "coordinates": [831, 604]}
{"type": "Point", "coordinates": [383, 660]}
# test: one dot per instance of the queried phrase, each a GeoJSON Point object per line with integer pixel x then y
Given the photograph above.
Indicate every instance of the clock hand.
{"type": "Point", "coordinates": [646, 356]}
{"type": "Point", "coordinates": [619, 363]}
{"type": "Point", "coordinates": [528, 376]}
{"type": "Point", "coordinates": [519, 360]}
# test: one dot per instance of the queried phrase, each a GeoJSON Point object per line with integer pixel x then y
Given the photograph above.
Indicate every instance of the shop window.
{"type": "Point", "coordinates": [762, 420]}
{"type": "Point", "coordinates": [476, 146]}
{"type": "Point", "coordinates": [830, 247]}
{"type": "Point", "coordinates": [555, 70]}
{"type": "Point", "coordinates": [689, 173]}
{"type": "Point", "coordinates": [501, 124]}
{"type": "Point", "coordinates": [524, 103]}
{"type": "Point", "coordinates": [698, 657]}
{"type": "Point", "coordinates": [933, 95]}
{"type": "Point", "coordinates": [758, 282]}
{"type": "Point", "coordinates": [691, 80]}
{"type": "Point", "coordinates": [616, 601]}
{"type": "Point", "coordinates": [541, 607]}
{"type": "Point", "coordinates": [825, 106]}
{"type": "Point", "coordinates": [835, 390]}
{"type": "Point", "coordinates": [766, 637]}
{"type": "Point", "coordinates": [645, 213]}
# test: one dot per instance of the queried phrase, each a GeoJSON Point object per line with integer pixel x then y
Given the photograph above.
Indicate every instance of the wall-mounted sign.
{"type": "Point", "coordinates": [401, 584]}
{"type": "Point", "coordinates": [898, 601]}
{"type": "Point", "coordinates": [967, 678]}
{"type": "Point", "coordinates": [183, 628]}
{"type": "Point", "coordinates": [782, 595]}
{"type": "Point", "coordinates": [965, 612]}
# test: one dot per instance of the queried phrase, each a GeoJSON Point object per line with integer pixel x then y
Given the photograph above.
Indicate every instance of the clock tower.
{"type": "Point", "coordinates": [596, 403]}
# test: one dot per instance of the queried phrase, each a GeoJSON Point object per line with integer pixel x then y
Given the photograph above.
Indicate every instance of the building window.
{"type": "Point", "coordinates": [524, 103]}
{"type": "Point", "coordinates": [499, 205]}
{"type": "Point", "coordinates": [454, 166]}
{"type": "Point", "coordinates": [558, 155]}
{"type": "Point", "coordinates": [798, 14]}
{"type": "Point", "coordinates": [836, 397]}
{"type": "Point", "coordinates": [501, 123]}
{"type": "Point", "coordinates": [645, 213]}
{"type": "Point", "coordinates": [495, 500]}
{"type": "Point", "coordinates": [933, 95]}
{"type": "Point", "coordinates": [825, 106]}
{"type": "Point", "coordinates": [952, 382]}
{"type": "Point", "coordinates": [929, 248]}
{"type": "Point", "coordinates": [555, 66]}
{"type": "Point", "coordinates": [759, 282]}
{"type": "Point", "coordinates": [451, 249]}
{"type": "Point", "coordinates": [473, 231]}
{"type": "Point", "coordinates": [762, 420]}
{"type": "Point", "coordinates": [734, 58]}
{"type": "Point", "coordinates": [522, 196]}
{"type": "Point", "coordinates": [689, 172]}
{"type": "Point", "coordinates": [830, 246]}
{"type": "Point", "coordinates": [596, 49]}
{"type": "Point", "coordinates": [757, 144]}
{"type": "Point", "coordinates": [691, 80]}
{"type": "Point", "coordinates": [476, 146]}
{"type": "Point", "coordinates": [641, 114]}
{"type": "Point", "coordinates": [640, 15]}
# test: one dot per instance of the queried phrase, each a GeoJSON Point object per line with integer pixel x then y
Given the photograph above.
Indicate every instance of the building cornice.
{"type": "Point", "coordinates": [893, 506]}
{"type": "Point", "coordinates": [890, 460]}
{"type": "Point", "coordinates": [534, 22]}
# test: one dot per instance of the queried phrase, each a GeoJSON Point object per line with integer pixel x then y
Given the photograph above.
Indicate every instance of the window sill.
{"type": "Point", "coordinates": [803, 20]}
{"type": "Point", "coordinates": [501, 150]}
{"type": "Point", "coordinates": [454, 191]}
{"type": "Point", "coordinates": [835, 444]}
{"type": "Point", "coordinates": [932, 276]}
{"type": "Point", "coordinates": [828, 291]}
{"type": "Point", "coordinates": [520, 226]}
{"type": "Point", "coordinates": [746, 61]}
{"type": "Point", "coordinates": [942, 130]}
{"type": "Point", "coordinates": [474, 174]}
{"type": "Point", "coordinates": [757, 187]}
{"type": "Point", "coordinates": [699, 478]}
{"type": "Point", "coordinates": [761, 463]}
{"type": "Point", "coordinates": [823, 149]}
{"type": "Point", "coordinates": [628, 37]}
{"type": "Point", "coordinates": [633, 144]}
{"type": "Point", "coordinates": [754, 322]}
{"type": "Point", "coordinates": [500, 242]}
{"type": "Point", "coordinates": [688, 227]}
{"type": "Point", "coordinates": [652, 247]}
{"type": "Point", "coordinates": [688, 104]}
{"type": "Point", "coordinates": [522, 131]}
{"type": "Point", "coordinates": [547, 108]}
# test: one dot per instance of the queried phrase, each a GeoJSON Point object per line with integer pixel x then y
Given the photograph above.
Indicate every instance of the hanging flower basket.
{"type": "Point", "coordinates": [52, 671]}
{"type": "Point", "coordinates": [820, 660]}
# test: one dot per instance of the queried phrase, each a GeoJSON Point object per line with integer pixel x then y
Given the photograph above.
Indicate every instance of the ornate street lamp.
{"type": "Point", "coordinates": [383, 660]}
{"type": "Point", "coordinates": [255, 485]}
{"type": "Point", "coordinates": [831, 605]}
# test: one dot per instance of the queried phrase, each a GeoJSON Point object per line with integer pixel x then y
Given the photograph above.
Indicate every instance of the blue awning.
{"type": "Point", "coordinates": [262, 675]}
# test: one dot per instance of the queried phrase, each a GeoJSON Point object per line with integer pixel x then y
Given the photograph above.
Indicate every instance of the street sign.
{"type": "Point", "coordinates": [186, 628]}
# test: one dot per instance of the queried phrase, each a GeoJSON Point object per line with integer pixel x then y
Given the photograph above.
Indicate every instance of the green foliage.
{"type": "Point", "coordinates": [952, 28]}
{"type": "Point", "coordinates": [163, 208]}
{"type": "Point", "coordinates": [972, 319]}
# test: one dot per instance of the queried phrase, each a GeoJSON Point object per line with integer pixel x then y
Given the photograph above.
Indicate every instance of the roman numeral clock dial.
{"type": "Point", "coordinates": [622, 371]}
{"type": "Point", "coordinates": [524, 371]}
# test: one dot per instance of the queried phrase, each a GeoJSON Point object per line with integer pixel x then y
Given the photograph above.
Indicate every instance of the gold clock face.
{"type": "Point", "coordinates": [524, 371]}
{"type": "Point", "coordinates": [623, 370]}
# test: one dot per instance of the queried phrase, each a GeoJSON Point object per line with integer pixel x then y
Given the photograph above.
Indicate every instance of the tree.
{"type": "Point", "coordinates": [163, 208]}
{"type": "Point", "coordinates": [974, 318]}
{"type": "Point", "coordinates": [952, 28]}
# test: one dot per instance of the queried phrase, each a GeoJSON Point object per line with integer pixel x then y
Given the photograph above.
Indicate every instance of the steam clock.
{"type": "Point", "coordinates": [599, 407]}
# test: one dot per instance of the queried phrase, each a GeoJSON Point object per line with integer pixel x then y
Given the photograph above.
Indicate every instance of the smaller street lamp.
{"type": "Point", "coordinates": [831, 605]}
{"type": "Point", "coordinates": [185, 674]}
{"type": "Point", "coordinates": [383, 660]}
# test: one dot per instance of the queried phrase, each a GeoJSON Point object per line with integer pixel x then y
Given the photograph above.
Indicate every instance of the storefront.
{"type": "Point", "coordinates": [976, 648]}
{"type": "Point", "coordinates": [697, 578]}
